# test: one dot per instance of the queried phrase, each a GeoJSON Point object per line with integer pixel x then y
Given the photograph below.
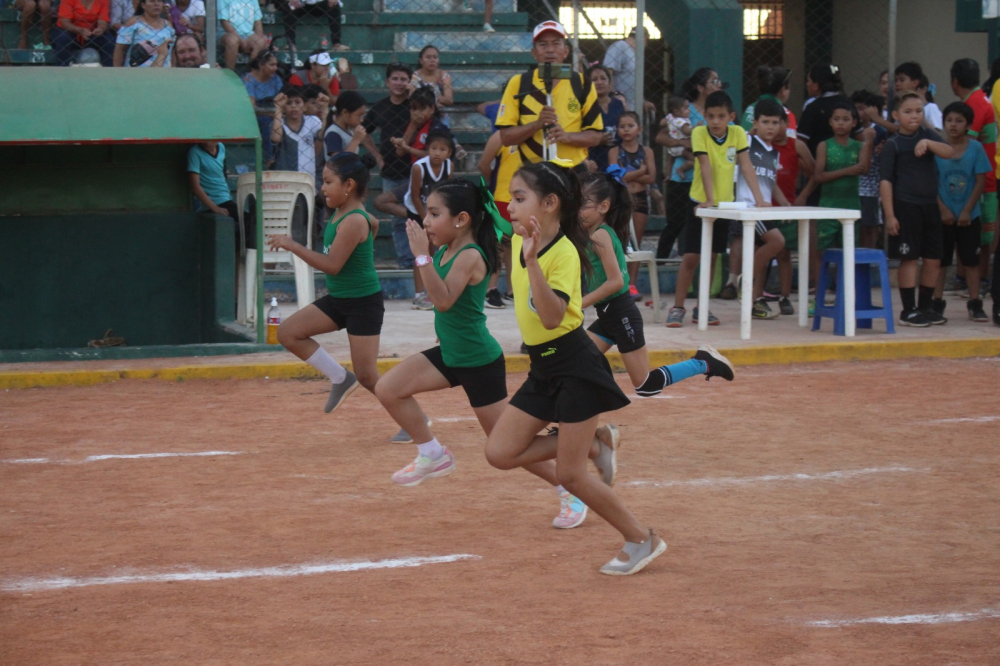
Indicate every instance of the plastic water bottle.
{"type": "Point", "coordinates": [273, 321]}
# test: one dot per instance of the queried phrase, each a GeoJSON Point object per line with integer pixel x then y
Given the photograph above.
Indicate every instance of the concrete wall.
{"type": "Point", "coordinates": [927, 34]}
{"type": "Point", "coordinates": [861, 41]}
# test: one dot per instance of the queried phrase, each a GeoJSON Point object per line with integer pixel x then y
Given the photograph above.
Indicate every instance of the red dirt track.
{"type": "Point", "coordinates": [910, 525]}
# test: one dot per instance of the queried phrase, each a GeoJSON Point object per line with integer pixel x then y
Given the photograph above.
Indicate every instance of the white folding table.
{"type": "Point", "coordinates": [749, 217]}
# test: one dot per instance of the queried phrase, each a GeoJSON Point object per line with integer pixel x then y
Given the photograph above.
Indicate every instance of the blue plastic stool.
{"type": "Point", "coordinates": [864, 311]}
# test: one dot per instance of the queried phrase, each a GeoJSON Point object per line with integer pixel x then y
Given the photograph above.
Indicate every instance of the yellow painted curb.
{"type": "Point", "coordinates": [740, 356]}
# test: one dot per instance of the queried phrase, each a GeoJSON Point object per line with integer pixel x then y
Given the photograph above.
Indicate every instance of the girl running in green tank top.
{"type": "Point", "coordinates": [456, 280]}
{"type": "Point", "coordinates": [354, 301]}
{"type": "Point", "coordinates": [605, 213]}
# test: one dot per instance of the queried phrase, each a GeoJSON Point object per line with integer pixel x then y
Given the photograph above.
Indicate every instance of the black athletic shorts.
{"type": "Point", "coordinates": [760, 228]}
{"type": "Point", "coordinates": [871, 213]}
{"type": "Point", "coordinates": [965, 238]}
{"type": "Point", "coordinates": [484, 384]}
{"type": "Point", "coordinates": [691, 236]}
{"type": "Point", "coordinates": [569, 381]}
{"type": "Point", "coordinates": [640, 202]}
{"type": "Point", "coordinates": [358, 316]}
{"type": "Point", "coordinates": [619, 323]}
{"type": "Point", "coordinates": [920, 234]}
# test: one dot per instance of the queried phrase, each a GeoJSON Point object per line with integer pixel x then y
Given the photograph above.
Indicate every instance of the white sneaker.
{"type": "Point", "coordinates": [488, 28]}
{"type": "Point", "coordinates": [423, 467]}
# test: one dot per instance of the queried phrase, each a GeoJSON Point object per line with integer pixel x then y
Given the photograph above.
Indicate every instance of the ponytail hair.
{"type": "Point", "coordinates": [772, 80]}
{"type": "Point", "coordinates": [461, 196]}
{"type": "Point", "coordinates": [600, 187]}
{"type": "Point", "coordinates": [548, 178]}
{"type": "Point", "coordinates": [350, 166]}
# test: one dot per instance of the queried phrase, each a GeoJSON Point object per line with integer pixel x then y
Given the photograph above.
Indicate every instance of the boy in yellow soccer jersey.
{"type": "Point", "coordinates": [718, 147]}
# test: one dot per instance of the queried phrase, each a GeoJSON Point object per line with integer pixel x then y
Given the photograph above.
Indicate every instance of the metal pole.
{"type": "Point", "coordinates": [640, 57]}
{"type": "Point", "coordinates": [576, 35]}
{"type": "Point", "coordinates": [891, 88]}
{"type": "Point", "coordinates": [211, 22]}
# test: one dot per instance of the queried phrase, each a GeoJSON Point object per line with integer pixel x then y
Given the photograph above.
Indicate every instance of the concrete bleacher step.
{"type": "Point", "coordinates": [449, 59]}
{"type": "Point", "coordinates": [464, 80]}
{"type": "Point", "coordinates": [440, 6]}
{"type": "Point", "coordinates": [464, 41]}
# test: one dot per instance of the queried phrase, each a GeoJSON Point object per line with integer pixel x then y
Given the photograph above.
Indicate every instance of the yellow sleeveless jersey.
{"type": "Point", "coordinates": [560, 263]}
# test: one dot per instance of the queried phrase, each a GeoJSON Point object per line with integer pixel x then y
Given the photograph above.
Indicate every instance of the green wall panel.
{"type": "Point", "coordinates": [150, 277]}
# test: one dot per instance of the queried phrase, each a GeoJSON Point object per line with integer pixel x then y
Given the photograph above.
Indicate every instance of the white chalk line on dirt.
{"type": "Point", "coordinates": [284, 571]}
{"type": "Point", "coordinates": [771, 478]}
{"type": "Point", "coordinates": [923, 618]}
{"type": "Point", "coordinates": [122, 456]}
{"type": "Point", "coordinates": [968, 419]}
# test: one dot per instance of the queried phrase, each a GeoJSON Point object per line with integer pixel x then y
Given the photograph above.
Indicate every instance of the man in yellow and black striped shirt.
{"type": "Point", "coordinates": [574, 119]}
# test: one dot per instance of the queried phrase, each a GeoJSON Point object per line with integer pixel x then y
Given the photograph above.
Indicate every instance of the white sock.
{"type": "Point", "coordinates": [732, 279]}
{"type": "Point", "coordinates": [431, 449]}
{"type": "Point", "coordinates": [560, 489]}
{"type": "Point", "coordinates": [326, 364]}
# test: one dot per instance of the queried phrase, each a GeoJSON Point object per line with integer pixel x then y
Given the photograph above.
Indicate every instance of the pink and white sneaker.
{"type": "Point", "coordinates": [423, 468]}
{"type": "Point", "coordinates": [572, 512]}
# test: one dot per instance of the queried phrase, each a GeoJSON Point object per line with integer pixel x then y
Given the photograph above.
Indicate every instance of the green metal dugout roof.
{"type": "Point", "coordinates": [94, 105]}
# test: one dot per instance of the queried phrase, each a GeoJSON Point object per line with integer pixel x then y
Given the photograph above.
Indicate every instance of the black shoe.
{"type": "Point", "coordinates": [494, 300]}
{"type": "Point", "coordinates": [913, 318]}
{"type": "Point", "coordinates": [934, 317]}
{"type": "Point", "coordinates": [938, 305]}
{"type": "Point", "coordinates": [718, 365]}
{"type": "Point", "coordinates": [996, 315]}
{"type": "Point", "coordinates": [785, 305]}
{"type": "Point", "coordinates": [976, 312]}
{"type": "Point", "coordinates": [508, 298]}
{"type": "Point", "coordinates": [524, 348]}
{"type": "Point", "coordinates": [728, 293]}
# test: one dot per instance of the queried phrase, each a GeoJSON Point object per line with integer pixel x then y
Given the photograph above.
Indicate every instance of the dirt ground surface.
{"type": "Point", "coordinates": [840, 513]}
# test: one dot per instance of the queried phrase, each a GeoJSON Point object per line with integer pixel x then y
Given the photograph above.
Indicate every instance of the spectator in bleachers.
{"type": "Point", "coordinates": [27, 9]}
{"type": "Point", "coordinates": [206, 168]}
{"type": "Point", "coordinates": [122, 11]}
{"type": "Point", "coordinates": [263, 84]}
{"type": "Point", "coordinates": [297, 137]}
{"type": "Point", "coordinates": [242, 23]}
{"type": "Point", "coordinates": [620, 59]}
{"type": "Point", "coordinates": [317, 72]}
{"type": "Point", "coordinates": [345, 132]}
{"type": "Point", "coordinates": [573, 124]}
{"type": "Point", "coordinates": [346, 77]}
{"type": "Point", "coordinates": [81, 25]}
{"type": "Point", "coordinates": [391, 116]}
{"type": "Point", "coordinates": [189, 53]}
{"type": "Point", "coordinates": [147, 39]}
{"type": "Point", "coordinates": [188, 16]}
{"type": "Point", "coordinates": [293, 10]}
{"type": "Point", "coordinates": [425, 117]}
{"type": "Point", "coordinates": [430, 74]}
{"type": "Point", "coordinates": [611, 110]}
{"type": "Point", "coordinates": [317, 102]}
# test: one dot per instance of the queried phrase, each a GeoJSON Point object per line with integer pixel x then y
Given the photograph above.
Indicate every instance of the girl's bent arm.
{"type": "Point", "coordinates": [605, 250]}
{"type": "Point", "coordinates": [650, 176]}
{"type": "Point", "coordinates": [468, 267]}
{"type": "Point", "coordinates": [352, 232]}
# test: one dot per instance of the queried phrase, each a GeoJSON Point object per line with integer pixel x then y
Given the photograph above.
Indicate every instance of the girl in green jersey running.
{"type": "Point", "coordinates": [456, 279]}
{"type": "Point", "coordinates": [354, 301]}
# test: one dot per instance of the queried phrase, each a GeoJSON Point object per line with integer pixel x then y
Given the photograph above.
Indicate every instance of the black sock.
{"type": "Point", "coordinates": [908, 296]}
{"type": "Point", "coordinates": [926, 298]}
{"type": "Point", "coordinates": [655, 382]}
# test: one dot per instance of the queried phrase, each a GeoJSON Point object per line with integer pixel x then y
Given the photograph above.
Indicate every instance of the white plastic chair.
{"type": "Point", "coordinates": [280, 191]}
{"type": "Point", "coordinates": [648, 258]}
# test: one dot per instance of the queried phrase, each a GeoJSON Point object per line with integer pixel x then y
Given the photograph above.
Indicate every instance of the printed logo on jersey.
{"type": "Point", "coordinates": [731, 154]}
{"type": "Point", "coordinates": [549, 352]}
{"type": "Point", "coordinates": [503, 107]}
{"type": "Point", "coordinates": [573, 106]}
{"type": "Point", "coordinates": [904, 248]}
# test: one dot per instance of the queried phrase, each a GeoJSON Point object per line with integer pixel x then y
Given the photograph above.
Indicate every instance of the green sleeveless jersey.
{"type": "Point", "coordinates": [461, 331]}
{"type": "Point", "coordinates": [357, 277]}
{"type": "Point", "coordinates": [597, 275]}
{"type": "Point", "coordinates": [843, 192]}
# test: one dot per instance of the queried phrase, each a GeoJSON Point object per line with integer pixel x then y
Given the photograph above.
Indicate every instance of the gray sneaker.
{"type": "Point", "coordinates": [422, 302]}
{"type": "Point", "coordinates": [339, 392]}
{"type": "Point", "coordinates": [606, 462]}
{"type": "Point", "coordinates": [635, 556]}
{"type": "Point", "coordinates": [403, 437]}
{"type": "Point", "coordinates": [675, 318]}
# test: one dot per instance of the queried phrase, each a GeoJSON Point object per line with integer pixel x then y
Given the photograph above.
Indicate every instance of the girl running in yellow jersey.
{"type": "Point", "coordinates": [570, 381]}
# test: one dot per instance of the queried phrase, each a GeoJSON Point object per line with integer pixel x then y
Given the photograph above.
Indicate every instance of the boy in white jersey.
{"type": "Point", "coordinates": [767, 117]}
